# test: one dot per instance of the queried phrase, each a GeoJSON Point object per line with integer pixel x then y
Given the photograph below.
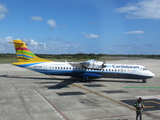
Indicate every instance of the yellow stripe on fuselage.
{"type": "Point", "coordinates": [23, 63]}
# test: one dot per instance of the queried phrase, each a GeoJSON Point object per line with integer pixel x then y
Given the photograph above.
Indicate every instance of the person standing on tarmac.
{"type": "Point", "coordinates": [139, 108]}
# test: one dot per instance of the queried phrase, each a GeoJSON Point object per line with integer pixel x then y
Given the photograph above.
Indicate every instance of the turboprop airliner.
{"type": "Point", "coordinates": [84, 70]}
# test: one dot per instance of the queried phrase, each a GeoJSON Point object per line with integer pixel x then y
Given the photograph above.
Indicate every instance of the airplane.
{"type": "Point", "coordinates": [85, 70]}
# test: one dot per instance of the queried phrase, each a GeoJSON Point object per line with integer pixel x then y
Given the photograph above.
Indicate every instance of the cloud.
{"type": "Point", "coordinates": [123, 46]}
{"type": "Point", "coordinates": [6, 39]}
{"type": "Point", "coordinates": [6, 47]}
{"type": "Point", "coordinates": [147, 45]}
{"type": "Point", "coordinates": [2, 16]}
{"type": "Point", "coordinates": [90, 35]}
{"type": "Point", "coordinates": [134, 32]}
{"type": "Point", "coordinates": [32, 42]}
{"type": "Point", "coordinates": [52, 46]}
{"type": "Point", "coordinates": [3, 9]}
{"type": "Point", "coordinates": [52, 23]}
{"type": "Point", "coordinates": [145, 9]}
{"type": "Point", "coordinates": [37, 18]}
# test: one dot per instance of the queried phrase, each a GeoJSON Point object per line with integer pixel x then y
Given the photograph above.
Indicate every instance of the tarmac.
{"type": "Point", "coordinates": [28, 95]}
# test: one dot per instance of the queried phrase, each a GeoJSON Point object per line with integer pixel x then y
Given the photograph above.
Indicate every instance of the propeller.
{"type": "Point", "coordinates": [104, 62]}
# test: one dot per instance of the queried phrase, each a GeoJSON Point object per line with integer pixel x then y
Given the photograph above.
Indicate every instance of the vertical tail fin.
{"type": "Point", "coordinates": [24, 54]}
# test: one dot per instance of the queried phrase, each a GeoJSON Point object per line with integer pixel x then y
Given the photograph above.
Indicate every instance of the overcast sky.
{"type": "Point", "coordinates": [81, 26]}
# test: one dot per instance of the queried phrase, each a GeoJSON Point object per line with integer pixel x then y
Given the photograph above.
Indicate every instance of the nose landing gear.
{"type": "Point", "coordinates": [144, 80]}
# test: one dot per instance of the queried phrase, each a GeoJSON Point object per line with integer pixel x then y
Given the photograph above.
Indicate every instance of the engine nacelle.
{"type": "Point", "coordinates": [92, 64]}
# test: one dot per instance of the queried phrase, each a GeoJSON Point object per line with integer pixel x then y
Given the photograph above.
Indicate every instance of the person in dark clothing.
{"type": "Point", "coordinates": [139, 108]}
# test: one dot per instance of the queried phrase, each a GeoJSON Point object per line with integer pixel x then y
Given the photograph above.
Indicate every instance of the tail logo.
{"type": "Point", "coordinates": [24, 54]}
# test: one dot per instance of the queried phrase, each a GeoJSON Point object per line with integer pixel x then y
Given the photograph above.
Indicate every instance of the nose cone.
{"type": "Point", "coordinates": [151, 74]}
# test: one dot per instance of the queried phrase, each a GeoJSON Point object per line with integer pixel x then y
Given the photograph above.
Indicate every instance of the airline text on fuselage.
{"type": "Point", "coordinates": [123, 66]}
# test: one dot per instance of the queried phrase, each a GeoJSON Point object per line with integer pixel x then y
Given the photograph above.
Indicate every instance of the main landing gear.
{"type": "Point", "coordinates": [84, 80]}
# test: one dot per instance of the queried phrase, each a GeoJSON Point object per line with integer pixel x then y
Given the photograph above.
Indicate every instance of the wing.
{"type": "Point", "coordinates": [91, 64]}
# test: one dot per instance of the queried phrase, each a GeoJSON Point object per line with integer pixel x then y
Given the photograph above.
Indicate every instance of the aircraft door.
{"type": "Point", "coordinates": [45, 68]}
{"type": "Point", "coordinates": [103, 72]}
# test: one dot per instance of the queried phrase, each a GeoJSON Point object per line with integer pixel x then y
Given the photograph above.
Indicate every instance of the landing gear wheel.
{"type": "Point", "coordinates": [144, 80]}
{"type": "Point", "coordinates": [84, 79]}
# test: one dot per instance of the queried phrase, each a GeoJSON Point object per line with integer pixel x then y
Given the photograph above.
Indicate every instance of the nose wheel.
{"type": "Point", "coordinates": [144, 80]}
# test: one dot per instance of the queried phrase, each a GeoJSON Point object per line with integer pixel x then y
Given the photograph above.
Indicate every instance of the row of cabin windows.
{"type": "Point", "coordinates": [71, 68]}
{"type": "Point", "coordinates": [67, 68]}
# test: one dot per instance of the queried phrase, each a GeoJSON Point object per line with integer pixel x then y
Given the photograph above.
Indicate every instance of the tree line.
{"type": "Point", "coordinates": [85, 56]}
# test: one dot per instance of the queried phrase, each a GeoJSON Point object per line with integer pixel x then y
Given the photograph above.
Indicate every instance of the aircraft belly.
{"type": "Point", "coordinates": [78, 74]}
{"type": "Point", "coordinates": [125, 76]}
{"type": "Point", "coordinates": [67, 73]}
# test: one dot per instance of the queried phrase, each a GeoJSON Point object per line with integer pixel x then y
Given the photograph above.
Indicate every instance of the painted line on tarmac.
{"type": "Point", "coordinates": [79, 86]}
{"type": "Point", "coordinates": [124, 84]}
{"type": "Point", "coordinates": [104, 97]}
{"type": "Point", "coordinates": [54, 108]}
{"type": "Point", "coordinates": [92, 92]}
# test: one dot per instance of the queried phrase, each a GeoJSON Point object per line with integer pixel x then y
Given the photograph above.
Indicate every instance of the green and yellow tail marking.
{"type": "Point", "coordinates": [24, 54]}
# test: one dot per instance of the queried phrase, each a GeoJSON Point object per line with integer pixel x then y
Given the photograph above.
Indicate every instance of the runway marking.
{"type": "Point", "coordinates": [148, 106]}
{"type": "Point", "coordinates": [124, 84]}
{"type": "Point", "coordinates": [105, 97]}
{"type": "Point", "coordinates": [143, 87]}
{"type": "Point", "coordinates": [54, 108]}
{"type": "Point", "coordinates": [152, 101]}
{"type": "Point", "coordinates": [101, 95]}
{"type": "Point", "coordinates": [92, 92]}
{"type": "Point", "coordinates": [15, 76]}
{"type": "Point", "coordinates": [149, 97]}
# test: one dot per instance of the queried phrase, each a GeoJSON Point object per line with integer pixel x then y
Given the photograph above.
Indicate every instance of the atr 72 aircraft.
{"type": "Point", "coordinates": [84, 70]}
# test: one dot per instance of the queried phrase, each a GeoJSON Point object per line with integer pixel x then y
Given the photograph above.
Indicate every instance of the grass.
{"type": "Point", "coordinates": [8, 59]}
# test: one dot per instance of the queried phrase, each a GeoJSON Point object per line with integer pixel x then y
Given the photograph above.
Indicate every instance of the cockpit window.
{"type": "Point", "coordinates": [144, 69]}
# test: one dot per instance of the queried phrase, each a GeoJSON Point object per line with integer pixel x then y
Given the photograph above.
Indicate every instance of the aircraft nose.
{"type": "Point", "coordinates": [151, 74]}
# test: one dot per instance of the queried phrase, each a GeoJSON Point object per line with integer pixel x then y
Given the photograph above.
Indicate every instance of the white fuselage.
{"type": "Point", "coordinates": [110, 71]}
